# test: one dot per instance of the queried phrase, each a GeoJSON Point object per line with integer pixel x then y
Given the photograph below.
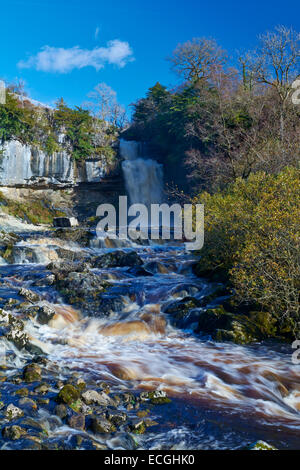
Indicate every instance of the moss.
{"type": "Point", "coordinates": [22, 392]}
{"type": "Point", "coordinates": [160, 401]}
{"type": "Point", "coordinates": [34, 211]}
{"type": "Point", "coordinates": [76, 405]}
{"type": "Point", "coordinates": [32, 373]}
{"type": "Point", "coordinates": [140, 429]}
{"type": "Point", "coordinates": [261, 445]}
{"type": "Point", "coordinates": [68, 394]}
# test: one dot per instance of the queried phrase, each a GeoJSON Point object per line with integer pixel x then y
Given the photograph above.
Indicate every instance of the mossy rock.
{"type": "Point", "coordinates": [22, 392]}
{"type": "Point", "coordinates": [68, 394]}
{"type": "Point", "coordinates": [78, 235]}
{"type": "Point", "coordinates": [32, 373]}
{"type": "Point", "coordinates": [261, 445]}
{"type": "Point", "coordinates": [160, 401]}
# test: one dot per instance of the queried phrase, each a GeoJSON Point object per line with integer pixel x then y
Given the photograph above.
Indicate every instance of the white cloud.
{"type": "Point", "coordinates": [58, 59]}
{"type": "Point", "coordinates": [97, 32]}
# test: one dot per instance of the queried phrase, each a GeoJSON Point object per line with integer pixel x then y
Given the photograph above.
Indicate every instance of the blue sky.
{"type": "Point", "coordinates": [64, 48]}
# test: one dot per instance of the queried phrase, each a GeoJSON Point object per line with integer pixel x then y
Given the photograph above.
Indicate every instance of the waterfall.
{"type": "Point", "coordinates": [143, 176]}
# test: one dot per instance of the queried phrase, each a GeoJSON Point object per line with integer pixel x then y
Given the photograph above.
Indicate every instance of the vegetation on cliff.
{"type": "Point", "coordinates": [84, 135]}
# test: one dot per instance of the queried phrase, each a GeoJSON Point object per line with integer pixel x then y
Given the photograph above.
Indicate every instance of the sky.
{"type": "Point", "coordinates": [64, 48]}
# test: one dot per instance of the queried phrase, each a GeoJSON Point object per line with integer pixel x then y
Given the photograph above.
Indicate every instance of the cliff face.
{"type": "Point", "coordinates": [23, 165]}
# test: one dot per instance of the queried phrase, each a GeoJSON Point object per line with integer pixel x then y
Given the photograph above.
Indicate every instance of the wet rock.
{"type": "Point", "coordinates": [45, 281]}
{"type": "Point", "coordinates": [13, 432]}
{"type": "Point", "coordinates": [32, 373]}
{"type": "Point", "coordinates": [43, 401]}
{"type": "Point", "coordinates": [183, 313]}
{"type": "Point", "coordinates": [45, 314]}
{"type": "Point", "coordinates": [68, 394]}
{"type": "Point", "coordinates": [61, 411]}
{"type": "Point", "coordinates": [99, 398]}
{"type": "Point", "coordinates": [261, 445]}
{"type": "Point", "coordinates": [117, 418]}
{"type": "Point", "coordinates": [123, 441]}
{"type": "Point", "coordinates": [22, 392]}
{"type": "Point", "coordinates": [78, 235]}
{"type": "Point", "coordinates": [82, 289]}
{"type": "Point", "coordinates": [157, 397]}
{"type": "Point", "coordinates": [13, 412]}
{"type": "Point", "coordinates": [236, 327]}
{"type": "Point", "coordinates": [180, 307]}
{"type": "Point", "coordinates": [11, 303]}
{"type": "Point", "coordinates": [42, 389]}
{"type": "Point", "coordinates": [71, 255]}
{"type": "Point", "coordinates": [77, 421]}
{"type": "Point", "coordinates": [137, 426]}
{"type": "Point", "coordinates": [28, 403]}
{"type": "Point", "coordinates": [29, 295]}
{"type": "Point", "coordinates": [7, 242]}
{"type": "Point", "coordinates": [101, 425]}
{"type": "Point", "coordinates": [117, 258]}
{"type": "Point", "coordinates": [156, 267]}
{"type": "Point", "coordinates": [13, 329]}
{"type": "Point", "coordinates": [109, 305]}
{"type": "Point", "coordinates": [184, 290]}
{"type": "Point", "coordinates": [61, 269]}
{"type": "Point", "coordinates": [139, 271]}
{"type": "Point", "coordinates": [65, 222]}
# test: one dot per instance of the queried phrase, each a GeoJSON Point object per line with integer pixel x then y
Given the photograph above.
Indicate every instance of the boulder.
{"type": "Point", "coordinates": [97, 398]}
{"type": "Point", "coordinates": [13, 412]}
{"type": "Point", "coordinates": [29, 295]}
{"type": "Point", "coordinates": [32, 373]}
{"type": "Point", "coordinates": [117, 258]}
{"type": "Point", "coordinates": [77, 421]}
{"type": "Point", "coordinates": [78, 235]}
{"type": "Point", "coordinates": [13, 432]}
{"type": "Point", "coordinates": [68, 394]}
{"type": "Point", "coordinates": [101, 425]}
{"type": "Point", "coordinates": [66, 222]}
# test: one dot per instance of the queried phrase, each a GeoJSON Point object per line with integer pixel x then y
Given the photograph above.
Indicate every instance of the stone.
{"type": "Point", "coordinates": [42, 389]}
{"type": "Point", "coordinates": [138, 426]}
{"type": "Point", "coordinates": [13, 432]}
{"type": "Point", "coordinates": [28, 403]}
{"type": "Point", "coordinates": [45, 314]}
{"type": "Point", "coordinates": [261, 445]}
{"type": "Point", "coordinates": [117, 258]}
{"type": "Point", "coordinates": [32, 373]}
{"type": "Point", "coordinates": [13, 412]}
{"type": "Point", "coordinates": [13, 329]}
{"type": "Point", "coordinates": [29, 295]}
{"type": "Point", "coordinates": [22, 392]}
{"type": "Point", "coordinates": [99, 398]}
{"type": "Point", "coordinates": [68, 394]}
{"type": "Point", "coordinates": [61, 411]}
{"type": "Point", "coordinates": [101, 425]}
{"type": "Point", "coordinates": [78, 235]}
{"type": "Point", "coordinates": [77, 421]}
{"type": "Point", "coordinates": [65, 222]}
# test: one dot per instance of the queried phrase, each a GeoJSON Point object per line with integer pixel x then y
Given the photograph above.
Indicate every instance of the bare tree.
{"type": "Point", "coordinates": [195, 60]}
{"type": "Point", "coordinates": [104, 105]}
{"type": "Point", "coordinates": [276, 63]}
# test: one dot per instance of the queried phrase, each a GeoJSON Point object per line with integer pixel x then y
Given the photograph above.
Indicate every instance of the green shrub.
{"type": "Point", "coordinates": [252, 237]}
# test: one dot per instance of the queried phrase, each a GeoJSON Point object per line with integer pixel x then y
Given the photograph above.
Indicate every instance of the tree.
{"type": "Point", "coordinates": [196, 60]}
{"type": "Point", "coordinates": [104, 105]}
{"type": "Point", "coordinates": [276, 63]}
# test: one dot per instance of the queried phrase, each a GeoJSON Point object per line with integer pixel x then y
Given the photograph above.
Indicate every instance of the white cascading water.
{"type": "Point", "coordinates": [143, 176]}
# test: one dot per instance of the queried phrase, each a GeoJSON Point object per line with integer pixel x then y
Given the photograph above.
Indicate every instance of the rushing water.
{"type": "Point", "coordinates": [223, 395]}
{"type": "Point", "coordinates": [143, 176]}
